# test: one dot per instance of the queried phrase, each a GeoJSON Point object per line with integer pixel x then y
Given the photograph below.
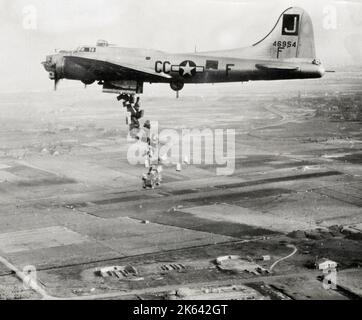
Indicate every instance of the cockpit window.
{"type": "Point", "coordinates": [87, 49]}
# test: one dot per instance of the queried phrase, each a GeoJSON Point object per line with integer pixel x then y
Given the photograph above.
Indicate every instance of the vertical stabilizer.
{"type": "Point", "coordinates": [291, 37]}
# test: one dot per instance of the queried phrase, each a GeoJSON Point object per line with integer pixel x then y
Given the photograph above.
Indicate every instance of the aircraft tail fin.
{"type": "Point", "coordinates": [291, 37]}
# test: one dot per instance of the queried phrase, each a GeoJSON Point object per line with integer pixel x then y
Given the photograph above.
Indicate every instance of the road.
{"type": "Point", "coordinates": [285, 258]}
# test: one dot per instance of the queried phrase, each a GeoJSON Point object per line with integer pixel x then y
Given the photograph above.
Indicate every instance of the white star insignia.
{"type": "Point", "coordinates": [187, 69]}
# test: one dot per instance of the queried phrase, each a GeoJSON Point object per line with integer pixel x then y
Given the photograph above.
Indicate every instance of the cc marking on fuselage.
{"type": "Point", "coordinates": [186, 68]}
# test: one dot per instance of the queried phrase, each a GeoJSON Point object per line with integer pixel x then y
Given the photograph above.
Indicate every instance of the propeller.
{"type": "Point", "coordinates": [52, 65]}
{"type": "Point", "coordinates": [56, 82]}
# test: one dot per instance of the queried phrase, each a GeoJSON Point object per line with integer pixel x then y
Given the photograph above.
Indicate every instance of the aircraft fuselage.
{"type": "Point", "coordinates": [186, 68]}
{"type": "Point", "coordinates": [287, 52]}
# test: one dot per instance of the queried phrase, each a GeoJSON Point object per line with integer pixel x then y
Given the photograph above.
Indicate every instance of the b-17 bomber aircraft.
{"type": "Point", "coordinates": [287, 52]}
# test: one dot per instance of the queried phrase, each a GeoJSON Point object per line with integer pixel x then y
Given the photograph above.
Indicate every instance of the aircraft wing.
{"type": "Point", "coordinates": [277, 67]}
{"type": "Point", "coordinates": [105, 69]}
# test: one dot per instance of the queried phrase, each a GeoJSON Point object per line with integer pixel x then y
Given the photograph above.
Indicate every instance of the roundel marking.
{"type": "Point", "coordinates": [187, 69]}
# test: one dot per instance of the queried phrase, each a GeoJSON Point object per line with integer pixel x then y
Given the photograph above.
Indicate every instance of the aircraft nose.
{"type": "Point", "coordinates": [50, 63]}
{"type": "Point", "coordinates": [54, 66]}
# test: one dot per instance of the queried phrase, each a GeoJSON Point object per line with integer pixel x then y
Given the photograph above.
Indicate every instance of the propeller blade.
{"type": "Point", "coordinates": [56, 81]}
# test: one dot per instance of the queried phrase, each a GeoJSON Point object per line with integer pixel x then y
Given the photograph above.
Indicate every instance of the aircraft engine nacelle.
{"type": "Point", "coordinates": [177, 85]}
{"type": "Point", "coordinates": [52, 75]}
{"type": "Point", "coordinates": [88, 82]}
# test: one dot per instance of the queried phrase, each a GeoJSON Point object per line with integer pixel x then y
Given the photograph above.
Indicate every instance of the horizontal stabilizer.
{"type": "Point", "coordinates": [276, 67]}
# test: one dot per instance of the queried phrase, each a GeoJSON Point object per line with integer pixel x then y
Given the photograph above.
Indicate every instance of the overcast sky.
{"type": "Point", "coordinates": [170, 25]}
